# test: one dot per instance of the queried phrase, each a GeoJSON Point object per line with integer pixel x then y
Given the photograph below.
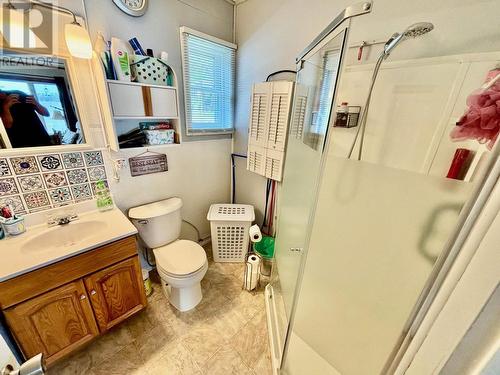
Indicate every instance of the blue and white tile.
{"type": "Point", "coordinates": [4, 168]}
{"type": "Point", "coordinates": [55, 179]}
{"type": "Point", "coordinates": [50, 162]}
{"type": "Point", "coordinates": [60, 195]}
{"type": "Point", "coordinates": [36, 199]}
{"type": "Point", "coordinates": [77, 176]}
{"type": "Point", "coordinates": [72, 160]}
{"type": "Point", "coordinates": [8, 186]}
{"type": "Point", "coordinates": [32, 182]}
{"type": "Point", "coordinates": [24, 165]}
{"type": "Point", "coordinates": [16, 202]}
{"type": "Point", "coordinates": [81, 192]}
{"type": "Point", "coordinates": [93, 158]}
{"type": "Point", "coordinates": [97, 173]}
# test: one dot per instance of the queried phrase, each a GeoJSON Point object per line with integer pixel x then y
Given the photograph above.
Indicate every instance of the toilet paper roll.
{"type": "Point", "coordinates": [255, 234]}
{"type": "Point", "coordinates": [252, 272]}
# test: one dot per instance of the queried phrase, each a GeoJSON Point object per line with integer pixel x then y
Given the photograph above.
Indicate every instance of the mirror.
{"type": "Point", "coordinates": [37, 106]}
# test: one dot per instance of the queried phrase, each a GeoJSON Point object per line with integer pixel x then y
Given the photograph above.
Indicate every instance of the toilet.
{"type": "Point", "coordinates": [181, 264]}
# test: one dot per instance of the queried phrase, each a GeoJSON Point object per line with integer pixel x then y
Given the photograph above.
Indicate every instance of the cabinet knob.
{"type": "Point", "coordinates": [82, 296]}
{"type": "Point", "coordinates": [93, 292]}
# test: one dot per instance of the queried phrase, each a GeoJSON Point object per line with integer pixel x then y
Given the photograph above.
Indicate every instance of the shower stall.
{"type": "Point", "coordinates": [369, 224]}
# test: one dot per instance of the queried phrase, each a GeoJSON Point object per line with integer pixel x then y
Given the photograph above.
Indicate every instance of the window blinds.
{"type": "Point", "coordinates": [208, 70]}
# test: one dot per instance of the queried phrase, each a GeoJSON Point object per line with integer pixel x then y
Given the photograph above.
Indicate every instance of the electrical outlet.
{"type": "Point", "coordinates": [120, 163]}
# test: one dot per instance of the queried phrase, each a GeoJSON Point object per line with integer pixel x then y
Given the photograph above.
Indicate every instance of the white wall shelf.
{"type": "Point", "coordinates": [130, 102]}
{"type": "Point", "coordinates": [139, 84]}
{"type": "Point", "coordinates": [152, 147]}
{"type": "Point", "coordinates": [158, 118]}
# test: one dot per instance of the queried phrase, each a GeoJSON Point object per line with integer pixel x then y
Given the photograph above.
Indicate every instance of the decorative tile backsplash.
{"type": "Point", "coordinates": [36, 183]}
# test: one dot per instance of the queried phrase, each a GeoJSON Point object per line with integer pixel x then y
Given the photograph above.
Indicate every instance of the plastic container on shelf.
{"type": "Point", "coordinates": [151, 70]}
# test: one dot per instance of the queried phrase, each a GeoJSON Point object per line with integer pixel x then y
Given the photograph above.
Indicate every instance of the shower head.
{"type": "Point", "coordinates": [413, 31]}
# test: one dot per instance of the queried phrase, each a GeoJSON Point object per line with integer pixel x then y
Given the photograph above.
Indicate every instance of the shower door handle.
{"type": "Point", "coordinates": [296, 249]}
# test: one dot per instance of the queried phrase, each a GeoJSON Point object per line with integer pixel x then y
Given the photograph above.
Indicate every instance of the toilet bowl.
{"type": "Point", "coordinates": [181, 264]}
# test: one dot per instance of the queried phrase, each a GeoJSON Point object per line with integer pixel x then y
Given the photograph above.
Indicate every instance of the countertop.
{"type": "Point", "coordinates": [16, 260]}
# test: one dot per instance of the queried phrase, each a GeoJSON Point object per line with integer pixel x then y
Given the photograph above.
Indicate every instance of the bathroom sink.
{"type": "Point", "coordinates": [64, 236]}
{"type": "Point", "coordinates": [42, 245]}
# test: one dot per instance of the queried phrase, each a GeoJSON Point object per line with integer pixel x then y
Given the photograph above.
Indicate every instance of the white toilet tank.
{"type": "Point", "coordinates": [158, 223]}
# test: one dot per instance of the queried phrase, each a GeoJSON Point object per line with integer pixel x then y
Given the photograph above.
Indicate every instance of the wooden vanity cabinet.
{"type": "Point", "coordinates": [55, 323]}
{"type": "Point", "coordinates": [57, 309]}
{"type": "Point", "coordinates": [116, 293]}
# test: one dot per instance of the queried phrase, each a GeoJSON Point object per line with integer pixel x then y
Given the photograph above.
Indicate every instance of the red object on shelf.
{"type": "Point", "coordinates": [460, 164]}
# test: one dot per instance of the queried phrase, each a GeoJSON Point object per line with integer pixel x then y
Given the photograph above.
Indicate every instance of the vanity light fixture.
{"type": "Point", "coordinates": [78, 40]}
{"type": "Point", "coordinates": [76, 36]}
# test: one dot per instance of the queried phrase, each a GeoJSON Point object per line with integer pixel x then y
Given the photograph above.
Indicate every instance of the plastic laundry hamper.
{"type": "Point", "coordinates": [229, 224]}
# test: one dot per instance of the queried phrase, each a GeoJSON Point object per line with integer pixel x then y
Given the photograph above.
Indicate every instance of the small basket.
{"type": "Point", "coordinates": [229, 225]}
{"type": "Point", "coordinates": [353, 116]}
{"type": "Point", "coordinates": [150, 70]}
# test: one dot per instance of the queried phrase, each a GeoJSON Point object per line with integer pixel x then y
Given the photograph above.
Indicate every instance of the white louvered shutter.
{"type": "Point", "coordinates": [256, 159]}
{"type": "Point", "coordinates": [259, 116]}
{"type": "Point", "coordinates": [267, 131]}
{"type": "Point", "coordinates": [279, 115]}
{"type": "Point", "coordinates": [274, 164]}
{"type": "Point", "coordinates": [299, 112]}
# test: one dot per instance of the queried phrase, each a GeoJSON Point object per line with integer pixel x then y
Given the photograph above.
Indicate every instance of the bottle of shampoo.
{"type": "Point", "coordinates": [120, 56]}
{"type": "Point", "coordinates": [342, 115]}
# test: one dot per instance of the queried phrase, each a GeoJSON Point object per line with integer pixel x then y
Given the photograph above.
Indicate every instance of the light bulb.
{"type": "Point", "coordinates": [78, 41]}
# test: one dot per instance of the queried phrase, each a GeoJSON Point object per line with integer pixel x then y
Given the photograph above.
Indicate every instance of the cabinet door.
{"type": "Point", "coordinates": [54, 323]}
{"type": "Point", "coordinates": [116, 292]}
{"type": "Point", "coordinates": [127, 100]}
{"type": "Point", "coordinates": [164, 102]}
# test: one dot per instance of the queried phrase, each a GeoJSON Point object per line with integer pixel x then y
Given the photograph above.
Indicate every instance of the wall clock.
{"type": "Point", "coordinates": [135, 8]}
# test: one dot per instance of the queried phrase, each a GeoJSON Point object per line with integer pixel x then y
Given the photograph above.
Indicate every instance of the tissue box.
{"type": "Point", "coordinates": [160, 137]}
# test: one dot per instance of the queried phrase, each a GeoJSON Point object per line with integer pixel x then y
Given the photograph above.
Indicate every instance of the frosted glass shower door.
{"type": "Point", "coordinates": [384, 226]}
{"type": "Point", "coordinates": [313, 100]}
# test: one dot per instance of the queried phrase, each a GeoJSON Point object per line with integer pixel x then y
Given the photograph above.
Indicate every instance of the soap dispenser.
{"type": "Point", "coordinates": [104, 199]}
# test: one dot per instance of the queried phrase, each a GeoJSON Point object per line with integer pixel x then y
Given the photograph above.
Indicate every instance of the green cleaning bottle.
{"type": "Point", "coordinates": [103, 195]}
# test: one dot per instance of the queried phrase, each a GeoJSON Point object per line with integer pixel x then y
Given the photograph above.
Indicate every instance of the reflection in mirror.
{"type": "Point", "coordinates": [36, 103]}
{"type": "Point", "coordinates": [319, 72]}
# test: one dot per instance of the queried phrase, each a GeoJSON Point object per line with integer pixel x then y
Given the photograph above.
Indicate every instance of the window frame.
{"type": "Point", "coordinates": [188, 128]}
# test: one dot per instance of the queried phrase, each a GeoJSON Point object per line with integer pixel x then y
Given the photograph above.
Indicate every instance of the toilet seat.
{"type": "Point", "coordinates": [180, 259]}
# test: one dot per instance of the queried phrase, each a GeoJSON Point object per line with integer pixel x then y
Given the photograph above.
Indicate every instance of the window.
{"type": "Point", "coordinates": [208, 66]}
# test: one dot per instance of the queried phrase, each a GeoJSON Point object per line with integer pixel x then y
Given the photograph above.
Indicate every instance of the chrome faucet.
{"type": "Point", "coordinates": [62, 219]}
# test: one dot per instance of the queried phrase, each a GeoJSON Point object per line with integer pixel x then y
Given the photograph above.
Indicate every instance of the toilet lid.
{"type": "Point", "coordinates": [180, 257]}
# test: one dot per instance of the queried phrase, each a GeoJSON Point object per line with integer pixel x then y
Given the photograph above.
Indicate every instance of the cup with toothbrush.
{"type": "Point", "coordinates": [12, 224]}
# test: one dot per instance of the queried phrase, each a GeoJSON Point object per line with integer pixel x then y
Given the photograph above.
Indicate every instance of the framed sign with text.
{"type": "Point", "coordinates": [148, 164]}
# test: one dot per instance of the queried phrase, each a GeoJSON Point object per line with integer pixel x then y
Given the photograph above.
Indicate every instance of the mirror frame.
{"type": "Point", "coordinates": [78, 97]}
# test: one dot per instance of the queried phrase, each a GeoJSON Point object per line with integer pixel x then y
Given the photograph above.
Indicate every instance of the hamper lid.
{"type": "Point", "coordinates": [231, 212]}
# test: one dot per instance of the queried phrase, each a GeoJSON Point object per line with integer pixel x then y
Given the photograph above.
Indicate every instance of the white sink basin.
{"type": "Point", "coordinates": [64, 236]}
{"type": "Point", "coordinates": [41, 245]}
